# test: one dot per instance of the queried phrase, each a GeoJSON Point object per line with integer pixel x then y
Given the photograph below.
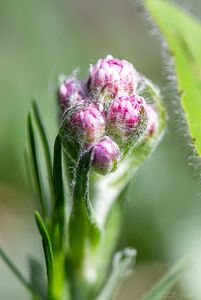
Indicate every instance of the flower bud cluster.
{"type": "Point", "coordinates": [105, 113]}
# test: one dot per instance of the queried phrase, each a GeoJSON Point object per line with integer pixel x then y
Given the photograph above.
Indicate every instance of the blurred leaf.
{"type": "Point", "coordinates": [45, 144]}
{"type": "Point", "coordinates": [109, 240]}
{"type": "Point", "coordinates": [19, 276]}
{"type": "Point", "coordinates": [47, 247]}
{"type": "Point", "coordinates": [183, 34]}
{"type": "Point", "coordinates": [167, 282]}
{"type": "Point", "coordinates": [122, 265]}
{"type": "Point", "coordinates": [37, 278]}
{"type": "Point", "coordinates": [33, 153]}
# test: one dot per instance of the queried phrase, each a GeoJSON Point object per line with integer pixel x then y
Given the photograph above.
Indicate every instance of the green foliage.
{"type": "Point", "coordinates": [47, 247]}
{"type": "Point", "coordinates": [183, 34]}
{"type": "Point", "coordinates": [58, 218]}
{"type": "Point", "coordinates": [35, 165]}
{"type": "Point", "coordinates": [44, 141]}
{"type": "Point", "coordinates": [53, 223]}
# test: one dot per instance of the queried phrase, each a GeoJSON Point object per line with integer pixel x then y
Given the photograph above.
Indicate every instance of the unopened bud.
{"type": "Point", "coordinates": [111, 76]}
{"type": "Point", "coordinates": [71, 91]}
{"type": "Point", "coordinates": [105, 155]}
{"type": "Point", "coordinates": [81, 127]}
{"type": "Point", "coordinates": [127, 119]}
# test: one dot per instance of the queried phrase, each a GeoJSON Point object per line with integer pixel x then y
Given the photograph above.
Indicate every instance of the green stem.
{"type": "Point", "coordinates": [84, 233]}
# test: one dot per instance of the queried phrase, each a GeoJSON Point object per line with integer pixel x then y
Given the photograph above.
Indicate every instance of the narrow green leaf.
{"type": "Point", "coordinates": [47, 247]}
{"type": "Point", "coordinates": [122, 265]}
{"type": "Point", "coordinates": [162, 288]}
{"type": "Point", "coordinates": [57, 174]}
{"type": "Point", "coordinates": [33, 153]}
{"type": "Point", "coordinates": [183, 34]}
{"type": "Point", "coordinates": [19, 276]}
{"type": "Point", "coordinates": [59, 204]}
{"type": "Point", "coordinates": [43, 134]}
{"type": "Point", "coordinates": [45, 143]}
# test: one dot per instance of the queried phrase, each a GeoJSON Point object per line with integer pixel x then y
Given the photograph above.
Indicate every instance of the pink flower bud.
{"type": "Point", "coordinates": [88, 124]}
{"type": "Point", "coordinates": [111, 76]}
{"type": "Point", "coordinates": [126, 115]}
{"type": "Point", "coordinates": [152, 124]}
{"type": "Point", "coordinates": [71, 91]}
{"type": "Point", "coordinates": [105, 155]}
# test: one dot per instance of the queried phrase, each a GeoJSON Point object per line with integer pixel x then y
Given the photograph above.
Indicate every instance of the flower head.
{"type": "Point", "coordinates": [71, 91]}
{"type": "Point", "coordinates": [111, 76]}
{"type": "Point", "coordinates": [115, 101]}
{"type": "Point", "coordinates": [105, 155]}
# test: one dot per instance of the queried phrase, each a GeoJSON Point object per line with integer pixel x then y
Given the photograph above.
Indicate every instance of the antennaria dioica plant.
{"type": "Point", "coordinates": [109, 125]}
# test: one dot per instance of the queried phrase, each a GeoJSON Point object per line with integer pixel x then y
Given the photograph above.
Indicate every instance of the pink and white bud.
{"type": "Point", "coordinates": [105, 155]}
{"type": "Point", "coordinates": [88, 124]}
{"type": "Point", "coordinates": [71, 91]}
{"type": "Point", "coordinates": [111, 76]}
{"type": "Point", "coordinates": [152, 118]}
{"type": "Point", "coordinates": [126, 115]}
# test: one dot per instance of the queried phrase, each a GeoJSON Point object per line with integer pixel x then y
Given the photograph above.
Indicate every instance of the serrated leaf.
{"type": "Point", "coordinates": [122, 265]}
{"type": "Point", "coordinates": [19, 276]}
{"type": "Point", "coordinates": [47, 247]}
{"type": "Point", "coordinates": [33, 153]}
{"type": "Point", "coordinates": [162, 288]}
{"type": "Point", "coordinates": [183, 34]}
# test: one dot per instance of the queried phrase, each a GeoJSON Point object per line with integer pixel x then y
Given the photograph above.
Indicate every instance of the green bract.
{"type": "Point", "coordinates": [183, 34]}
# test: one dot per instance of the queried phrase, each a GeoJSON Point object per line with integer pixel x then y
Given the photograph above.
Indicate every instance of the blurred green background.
{"type": "Point", "coordinates": [40, 39]}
